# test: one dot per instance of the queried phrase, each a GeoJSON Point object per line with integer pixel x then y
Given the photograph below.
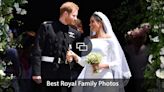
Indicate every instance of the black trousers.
{"type": "Point", "coordinates": [51, 74]}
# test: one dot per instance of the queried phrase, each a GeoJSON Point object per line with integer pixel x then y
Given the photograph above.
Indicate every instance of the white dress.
{"type": "Point", "coordinates": [104, 47]}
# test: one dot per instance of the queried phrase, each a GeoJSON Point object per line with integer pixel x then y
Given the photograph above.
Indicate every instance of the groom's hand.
{"type": "Point", "coordinates": [37, 79]}
{"type": "Point", "coordinates": [69, 56]}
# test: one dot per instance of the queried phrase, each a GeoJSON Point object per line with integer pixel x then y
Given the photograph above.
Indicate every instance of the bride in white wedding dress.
{"type": "Point", "coordinates": [113, 64]}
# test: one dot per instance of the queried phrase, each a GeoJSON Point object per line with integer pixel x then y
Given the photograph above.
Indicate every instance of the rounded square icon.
{"type": "Point", "coordinates": [81, 46]}
{"type": "Point", "coordinates": [84, 46]}
{"type": "Point", "coordinates": [78, 44]}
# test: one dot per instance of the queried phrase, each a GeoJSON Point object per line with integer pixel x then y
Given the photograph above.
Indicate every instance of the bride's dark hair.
{"type": "Point", "coordinates": [97, 18]}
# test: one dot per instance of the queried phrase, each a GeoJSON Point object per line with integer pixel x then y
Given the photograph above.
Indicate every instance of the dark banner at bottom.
{"type": "Point", "coordinates": [86, 85]}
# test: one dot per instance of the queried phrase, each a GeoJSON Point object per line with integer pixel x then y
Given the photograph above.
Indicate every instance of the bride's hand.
{"type": "Point", "coordinates": [95, 67]}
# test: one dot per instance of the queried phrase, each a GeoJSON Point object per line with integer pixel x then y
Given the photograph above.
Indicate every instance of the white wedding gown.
{"type": "Point", "coordinates": [104, 46]}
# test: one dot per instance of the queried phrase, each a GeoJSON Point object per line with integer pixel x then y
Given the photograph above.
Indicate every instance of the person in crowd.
{"type": "Point", "coordinates": [137, 50]}
{"type": "Point", "coordinates": [78, 25]}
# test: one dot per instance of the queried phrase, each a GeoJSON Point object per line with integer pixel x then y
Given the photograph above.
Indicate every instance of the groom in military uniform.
{"type": "Point", "coordinates": [52, 43]}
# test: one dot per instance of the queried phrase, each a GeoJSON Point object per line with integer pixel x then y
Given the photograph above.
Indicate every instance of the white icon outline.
{"type": "Point", "coordinates": [81, 46]}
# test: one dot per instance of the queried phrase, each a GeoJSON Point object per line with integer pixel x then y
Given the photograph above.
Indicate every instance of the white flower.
{"type": "Point", "coordinates": [0, 2]}
{"type": "Point", "coordinates": [148, 0]}
{"type": "Point", "coordinates": [162, 51]}
{"type": "Point", "coordinates": [162, 25]}
{"type": "Point", "coordinates": [24, 2]}
{"type": "Point", "coordinates": [156, 26]}
{"type": "Point", "coordinates": [23, 12]}
{"type": "Point", "coordinates": [150, 58]}
{"type": "Point", "coordinates": [149, 8]}
{"type": "Point", "coordinates": [16, 5]}
{"type": "Point", "coordinates": [2, 20]}
{"type": "Point", "coordinates": [2, 73]}
{"type": "Point", "coordinates": [150, 36]}
{"type": "Point", "coordinates": [160, 73]}
{"type": "Point", "coordinates": [3, 63]}
{"type": "Point", "coordinates": [155, 39]}
{"type": "Point", "coordinates": [9, 63]}
{"type": "Point", "coordinates": [162, 31]}
{"type": "Point", "coordinates": [18, 10]}
{"type": "Point", "coordinates": [12, 76]}
{"type": "Point", "coordinates": [162, 66]}
{"type": "Point", "coordinates": [7, 27]}
{"type": "Point", "coordinates": [162, 59]}
{"type": "Point", "coordinates": [1, 49]}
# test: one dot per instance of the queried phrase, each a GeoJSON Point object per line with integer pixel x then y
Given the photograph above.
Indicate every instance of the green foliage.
{"type": "Point", "coordinates": [156, 19]}
{"type": "Point", "coordinates": [7, 9]}
{"type": "Point", "coordinates": [131, 14]}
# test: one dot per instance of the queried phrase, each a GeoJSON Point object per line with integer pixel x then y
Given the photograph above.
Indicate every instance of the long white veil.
{"type": "Point", "coordinates": [122, 71]}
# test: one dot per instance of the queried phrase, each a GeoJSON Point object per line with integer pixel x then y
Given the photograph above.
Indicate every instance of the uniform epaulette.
{"type": "Point", "coordinates": [47, 22]}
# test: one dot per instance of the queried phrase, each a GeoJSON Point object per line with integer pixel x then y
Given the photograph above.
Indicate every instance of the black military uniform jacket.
{"type": "Point", "coordinates": [53, 39]}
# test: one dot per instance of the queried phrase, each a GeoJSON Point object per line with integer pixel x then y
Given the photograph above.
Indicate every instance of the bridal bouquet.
{"type": "Point", "coordinates": [94, 59]}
